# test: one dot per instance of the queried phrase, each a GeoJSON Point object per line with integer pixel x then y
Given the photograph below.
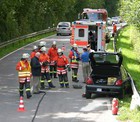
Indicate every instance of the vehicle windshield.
{"type": "Point", "coordinates": [92, 16]}
{"type": "Point", "coordinates": [106, 58]}
{"type": "Point", "coordinates": [63, 25]}
{"type": "Point", "coordinates": [114, 17]}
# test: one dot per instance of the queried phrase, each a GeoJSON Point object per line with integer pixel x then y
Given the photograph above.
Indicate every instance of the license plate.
{"type": "Point", "coordinates": [99, 89]}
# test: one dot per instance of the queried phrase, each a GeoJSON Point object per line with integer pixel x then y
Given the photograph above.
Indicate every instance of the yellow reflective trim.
{"type": "Point", "coordinates": [27, 89]}
{"type": "Point", "coordinates": [42, 81]}
{"type": "Point", "coordinates": [49, 81]}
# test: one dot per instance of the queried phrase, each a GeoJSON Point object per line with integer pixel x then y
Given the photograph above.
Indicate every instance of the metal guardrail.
{"type": "Point", "coordinates": [135, 101]}
{"type": "Point", "coordinates": [6, 43]}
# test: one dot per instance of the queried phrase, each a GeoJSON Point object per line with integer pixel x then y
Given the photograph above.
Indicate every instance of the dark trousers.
{"type": "Point", "coordinates": [63, 80]}
{"type": "Point", "coordinates": [27, 88]}
{"type": "Point", "coordinates": [53, 70]}
{"type": "Point", "coordinates": [45, 76]}
{"type": "Point", "coordinates": [74, 74]}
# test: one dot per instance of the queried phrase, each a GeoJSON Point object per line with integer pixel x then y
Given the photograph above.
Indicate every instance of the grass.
{"type": "Point", "coordinates": [130, 45]}
{"type": "Point", "coordinates": [9, 48]}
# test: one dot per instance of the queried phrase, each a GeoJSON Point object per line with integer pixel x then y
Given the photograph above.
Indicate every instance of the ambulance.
{"type": "Point", "coordinates": [81, 33]}
{"type": "Point", "coordinates": [90, 21]}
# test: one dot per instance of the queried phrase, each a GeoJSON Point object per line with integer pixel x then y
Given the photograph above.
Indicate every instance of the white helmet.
{"type": "Point", "coordinates": [43, 49]}
{"type": "Point", "coordinates": [75, 45]}
{"type": "Point", "coordinates": [54, 42]}
{"type": "Point", "coordinates": [35, 47]}
{"type": "Point", "coordinates": [59, 50]}
{"type": "Point", "coordinates": [42, 43]}
{"type": "Point", "coordinates": [25, 55]}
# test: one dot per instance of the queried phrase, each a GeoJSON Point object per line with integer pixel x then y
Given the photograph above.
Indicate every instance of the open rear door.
{"type": "Point", "coordinates": [81, 35]}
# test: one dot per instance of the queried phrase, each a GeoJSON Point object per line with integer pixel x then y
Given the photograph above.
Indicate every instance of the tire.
{"type": "Point", "coordinates": [88, 95]}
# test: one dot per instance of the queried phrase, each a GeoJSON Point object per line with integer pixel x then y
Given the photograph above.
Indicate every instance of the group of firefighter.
{"type": "Point", "coordinates": [45, 65]}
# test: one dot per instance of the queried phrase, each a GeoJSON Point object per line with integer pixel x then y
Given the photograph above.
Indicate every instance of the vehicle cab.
{"type": "Point", "coordinates": [94, 14]}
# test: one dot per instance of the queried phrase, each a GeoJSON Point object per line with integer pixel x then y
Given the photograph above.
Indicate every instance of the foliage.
{"type": "Point", "coordinates": [11, 47]}
{"type": "Point", "coordinates": [20, 17]}
{"type": "Point", "coordinates": [130, 11]}
{"type": "Point", "coordinates": [128, 42]}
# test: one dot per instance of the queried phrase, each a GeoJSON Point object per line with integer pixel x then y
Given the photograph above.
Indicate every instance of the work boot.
{"type": "Point", "coordinates": [29, 96]}
{"type": "Point", "coordinates": [61, 85]}
{"type": "Point", "coordinates": [51, 85]}
{"type": "Point", "coordinates": [67, 86]}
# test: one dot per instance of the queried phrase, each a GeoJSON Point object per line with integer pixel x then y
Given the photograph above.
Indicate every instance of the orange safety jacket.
{"type": "Point", "coordinates": [74, 55]}
{"type": "Point", "coordinates": [43, 58]}
{"type": "Point", "coordinates": [114, 28]}
{"type": "Point", "coordinates": [52, 52]}
{"type": "Point", "coordinates": [32, 55]}
{"type": "Point", "coordinates": [62, 62]}
{"type": "Point", "coordinates": [24, 71]}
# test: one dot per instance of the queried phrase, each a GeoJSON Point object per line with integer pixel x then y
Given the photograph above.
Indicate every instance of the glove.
{"type": "Point", "coordinates": [46, 63]}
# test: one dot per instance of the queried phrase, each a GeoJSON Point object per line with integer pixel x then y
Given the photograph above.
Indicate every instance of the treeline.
{"type": "Point", "coordinates": [20, 17]}
{"type": "Point", "coordinates": [130, 11]}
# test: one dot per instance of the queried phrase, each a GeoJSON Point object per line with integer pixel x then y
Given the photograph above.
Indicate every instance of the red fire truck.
{"type": "Point", "coordinates": [94, 14]}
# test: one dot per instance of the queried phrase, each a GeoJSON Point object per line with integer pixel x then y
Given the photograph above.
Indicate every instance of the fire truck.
{"type": "Point", "coordinates": [94, 14]}
{"type": "Point", "coordinates": [83, 29]}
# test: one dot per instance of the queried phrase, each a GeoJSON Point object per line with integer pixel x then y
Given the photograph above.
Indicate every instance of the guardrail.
{"type": "Point", "coordinates": [135, 101]}
{"type": "Point", "coordinates": [6, 43]}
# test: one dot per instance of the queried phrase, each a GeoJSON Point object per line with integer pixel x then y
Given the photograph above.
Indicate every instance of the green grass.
{"type": "Point", "coordinates": [9, 48]}
{"type": "Point", "coordinates": [131, 61]}
{"type": "Point", "coordinates": [110, 46]}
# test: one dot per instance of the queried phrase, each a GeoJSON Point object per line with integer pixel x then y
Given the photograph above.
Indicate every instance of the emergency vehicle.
{"type": "Point", "coordinates": [80, 33]}
{"type": "Point", "coordinates": [94, 14]}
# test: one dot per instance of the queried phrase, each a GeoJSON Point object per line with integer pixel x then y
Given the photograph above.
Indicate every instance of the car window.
{"type": "Point", "coordinates": [63, 25]}
{"type": "Point", "coordinates": [106, 58]}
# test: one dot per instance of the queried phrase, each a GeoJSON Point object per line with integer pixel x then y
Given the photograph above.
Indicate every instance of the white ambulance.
{"type": "Point", "coordinates": [82, 31]}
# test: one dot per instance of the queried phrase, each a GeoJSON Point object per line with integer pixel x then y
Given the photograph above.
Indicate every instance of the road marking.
{"type": "Point", "coordinates": [64, 40]}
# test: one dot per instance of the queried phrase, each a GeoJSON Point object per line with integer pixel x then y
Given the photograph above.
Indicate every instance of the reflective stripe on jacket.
{"type": "Point", "coordinates": [24, 69]}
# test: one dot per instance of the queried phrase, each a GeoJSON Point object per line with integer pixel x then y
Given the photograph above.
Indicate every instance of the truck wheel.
{"type": "Point", "coordinates": [88, 95]}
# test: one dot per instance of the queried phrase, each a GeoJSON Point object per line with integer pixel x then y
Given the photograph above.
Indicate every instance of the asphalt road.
{"type": "Point", "coordinates": [58, 105]}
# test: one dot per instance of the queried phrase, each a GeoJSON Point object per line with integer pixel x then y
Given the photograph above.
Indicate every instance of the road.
{"type": "Point", "coordinates": [58, 105]}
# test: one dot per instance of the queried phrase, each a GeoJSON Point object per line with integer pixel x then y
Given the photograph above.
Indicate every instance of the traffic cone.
{"type": "Point", "coordinates": [21, 105]}
{"type": "Point", "coordinates": [63, 47]}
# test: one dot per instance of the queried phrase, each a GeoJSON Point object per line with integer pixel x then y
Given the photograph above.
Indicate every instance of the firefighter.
{"type": "Point", "coordinates": [114, 29]}
{"type": "Point", "coordinates": [52, 52]}
{"type": "Point", "coordinates": [34, 51]}
{"type": "Point", "coordinates": [24, 74]}
{"type": "Point", "coordinates": [41, 44]}
{"type": "Point", "coordinates": [74, 56]}
{"type": "Point", "coordinates": [44, 61]}
{"type": "Point", "coordinates": [62, 65]}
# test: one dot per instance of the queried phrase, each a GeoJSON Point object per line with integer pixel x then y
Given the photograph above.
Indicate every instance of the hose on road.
{"type": "Point", "coordinates": [44, 93]}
